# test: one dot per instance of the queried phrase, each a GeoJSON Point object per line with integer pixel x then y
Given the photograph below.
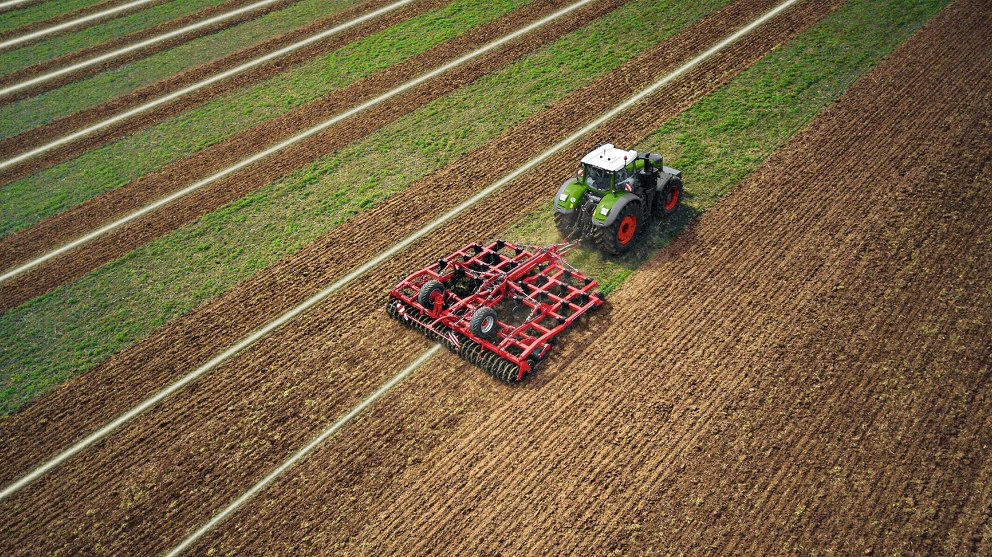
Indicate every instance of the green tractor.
{"type": "Point", "coordinates": [612, 196]}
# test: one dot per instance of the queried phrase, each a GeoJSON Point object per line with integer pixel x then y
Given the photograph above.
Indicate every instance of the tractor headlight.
{"type": "Point", "coordinates": [604, 211]}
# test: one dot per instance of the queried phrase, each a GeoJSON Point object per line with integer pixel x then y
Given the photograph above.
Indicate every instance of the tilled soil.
{"type": "Point", "coordinates": [77, 221]}
{"type": "Point", "coordinates": [804, 370]}
{"type": "Point", "coordinates": [58, 128]}
{"type": "Point", "coordinates": [198, 451]}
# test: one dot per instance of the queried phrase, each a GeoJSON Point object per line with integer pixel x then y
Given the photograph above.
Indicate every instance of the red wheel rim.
{"type": "Point", "coordinates": [627, 227]}
{"type": "Point", "coordinates": [672, 199]}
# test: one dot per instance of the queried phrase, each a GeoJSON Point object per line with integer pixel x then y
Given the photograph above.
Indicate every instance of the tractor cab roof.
{"type": "Point", "coordinates": [609, 157]}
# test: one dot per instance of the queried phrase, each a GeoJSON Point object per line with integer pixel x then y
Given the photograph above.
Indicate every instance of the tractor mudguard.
{"type": "Point", "coordinates": [569, 196]}
{"type": "Point", "coordinates": [612, 205]}
{"type": "Point", "coordinates": [665, 175]}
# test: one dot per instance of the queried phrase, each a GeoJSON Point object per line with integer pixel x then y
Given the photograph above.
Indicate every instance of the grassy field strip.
{"type": "Point", "coordinates": [35, 197]}
{"type": "Point", "coordinates": [386, 254]}
{"type": "Point", "coordinates": [20, 15]}
{"type": "Point", "coordinates": [297, 456]}
{"type": "Point", "coordinates": [56, 28]}
{"type": "Point", "coordinates": [199, 85]}
{"type": "Point", "coordinates": [33, 110]}
{"type": "Point", "coordinates": [291, 141]}
{"type": "Point", "coordinates": [72, 328]}
{"type": "Point", "coordinates": [44, 50]}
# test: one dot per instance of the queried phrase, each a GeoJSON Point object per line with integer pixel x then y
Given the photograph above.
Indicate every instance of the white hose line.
{"type": "Point", "coordinates": [11, 3]}
{"type": "Point", "coordinates": [382, 256]}
{"type": "Point", "coordinates": [288, 142]}
{"type": "Point", "coordinates": [288, 463]}
{"type": "Point", "coordinates": [200, 85]}
{"type": "Point", "coordinates": [122, 51]}
{"type": "Point", "coordinates": [56, 28]}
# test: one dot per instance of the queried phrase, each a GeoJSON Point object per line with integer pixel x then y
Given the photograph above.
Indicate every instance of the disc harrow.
{"type": "Point", "coordinates": [499, 306]}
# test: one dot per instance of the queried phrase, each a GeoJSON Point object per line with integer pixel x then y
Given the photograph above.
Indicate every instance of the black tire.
{"type": "Point", "coordinates": [484, 323]}
{"type": "Point", "coordinates": [427, 292]}
{"type": "Point", "coordinates": [619, 237]}
{"type": "Point", "coordinates": [667, 202]}
{"type": "Point", "coordinates": [566, 223]}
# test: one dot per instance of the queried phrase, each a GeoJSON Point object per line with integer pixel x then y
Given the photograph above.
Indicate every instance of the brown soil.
{"type": "Point", "coordinates": [69, 16]}
{"type": "Point", "coordinates": [102, 209]}
{"type": "Point", "coordinates": [220, 435]}
{"type": "Point", "coordinates": [129, 39]}
{"type": "Point", "coordinates": [58, 128]}
{"type": "Point", "coordinates": [807, 374]}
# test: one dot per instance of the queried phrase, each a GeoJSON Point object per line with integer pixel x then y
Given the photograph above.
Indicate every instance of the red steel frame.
{"type": "Point", "coordinates": [536, 277]}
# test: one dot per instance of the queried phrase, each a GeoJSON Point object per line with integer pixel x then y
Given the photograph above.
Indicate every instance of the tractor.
{"type": "Point", "coordinates": [612, 196]}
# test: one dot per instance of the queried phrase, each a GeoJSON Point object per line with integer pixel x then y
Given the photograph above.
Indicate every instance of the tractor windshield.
{"type": "Point", "coordinates": [597, 178]}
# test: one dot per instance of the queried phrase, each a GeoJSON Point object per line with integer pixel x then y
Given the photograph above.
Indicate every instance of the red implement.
{"type": "Point", "coordinates": [499, 306]}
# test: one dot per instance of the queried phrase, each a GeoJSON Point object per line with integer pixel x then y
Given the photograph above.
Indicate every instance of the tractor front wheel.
{"type": "Point", "coordinates": [484, 323]}
{"type": "Point", "coordinates": [618, 237]}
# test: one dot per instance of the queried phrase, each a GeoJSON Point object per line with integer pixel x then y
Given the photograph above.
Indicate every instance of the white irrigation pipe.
{"type": "Point", "coordinates": [11, 3]}
{"type": "Point", "coordinates": [56, 28]}
{"type": "Point", "coordinates": [288, 142]}
{"type": "Point", "coordinates": [382, 256]}
{"type": "Point", "coordinates": [200, 85]}
{"type": "Point", "coordinates": [288, 463]}
{"type": "Point", "coordinates": [122, 51]}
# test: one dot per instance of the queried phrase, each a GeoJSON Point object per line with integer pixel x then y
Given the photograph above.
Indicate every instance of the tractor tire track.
{"type": "Point", "coordinates": [81, 55]}
{"type": "Point", "coordinates": [340, 341]}
{"type": "Point", "coordinates": [123, 200]}
{"type": "Point", "coordinates": [51, 131]}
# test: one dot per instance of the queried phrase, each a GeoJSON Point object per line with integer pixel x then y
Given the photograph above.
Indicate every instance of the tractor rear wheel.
{"type": "Point", "coordinates": [484, 323]}
{"type": "Point", "coordinates": [618, 237]}
{"type": "Point", "coordinates": [666, 203]}
{"type": "Point", "coordinates": [428, 292]}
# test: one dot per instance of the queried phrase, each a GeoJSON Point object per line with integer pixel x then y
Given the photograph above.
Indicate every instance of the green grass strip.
{"type": "Point", "coordinates": [53, 190]}
{"type": "Point", "coordinates": [74, 327]}
{"type": "Point", "coordinates": [726, 135]}
{"type": "Point", "coordinates": [34, 111]}
{"type": "Point", "coordinates": [60, 45]}
{"type": "Point", "coordinates": [31, 14]}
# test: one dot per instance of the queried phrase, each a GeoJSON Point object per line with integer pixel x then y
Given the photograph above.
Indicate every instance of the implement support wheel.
{"type": "Point", "coordinates": [484, 324]}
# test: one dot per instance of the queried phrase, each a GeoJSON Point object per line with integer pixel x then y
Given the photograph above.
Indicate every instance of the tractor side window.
{"type": "Point", "coordinates": [597, 178]}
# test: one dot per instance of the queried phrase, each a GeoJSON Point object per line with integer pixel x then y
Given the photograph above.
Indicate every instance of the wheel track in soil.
{"type": "Point", "coordinates": [46, 133]}
{"type": "Point", "coordinates": [54, 64]}
{"type": "Point", "coordinates": [267, 356]}
{"type": "Point", "coordinates": [68, 16]}
{"type": "Point", "coordinates": [421, 499]}
{"type": "Point", "coordinates": [125, 199]}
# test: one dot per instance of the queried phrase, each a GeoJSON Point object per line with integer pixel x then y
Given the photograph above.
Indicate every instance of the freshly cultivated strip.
{"type": "Point", "coordinates": [201, 84]}
{"type": "Point", "coordinates": [291, 141]}
{"type": "Point", "coordinates": [56, 28]}
{"type": "Point", "coordinates": [122, 51]}
{"type": "Point", "coordinates": [288, 463]}
{"type": "Point", "coordinates": [382, 256]}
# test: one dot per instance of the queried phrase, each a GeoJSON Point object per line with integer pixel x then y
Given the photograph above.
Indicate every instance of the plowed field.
{"type": "Point", "coordinates": [804, 370]}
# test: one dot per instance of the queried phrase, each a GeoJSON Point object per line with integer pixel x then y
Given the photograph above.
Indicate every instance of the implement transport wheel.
{"type": "Point", "coordinates": [618, 237]}
{"type": "Point", "coordinates": [484, 324]}
{"type": "Point", "coordinates": [429, 292]}
{"type": "Point", "coordinates": [566, 223]}
{"type": "Point", "coordinates": [666, 203]}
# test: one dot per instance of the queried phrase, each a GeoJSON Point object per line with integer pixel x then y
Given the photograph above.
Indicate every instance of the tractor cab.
{"type": "Point", "coordinates": [605, 167]}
